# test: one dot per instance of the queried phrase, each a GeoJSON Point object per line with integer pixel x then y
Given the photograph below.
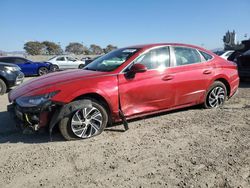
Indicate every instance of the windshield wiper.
{"type": "Point", "coordinates": [87, 68]}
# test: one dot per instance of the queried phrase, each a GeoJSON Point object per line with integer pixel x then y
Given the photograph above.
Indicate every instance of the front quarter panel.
{"type": "Point", "coordinates": [105, 86]}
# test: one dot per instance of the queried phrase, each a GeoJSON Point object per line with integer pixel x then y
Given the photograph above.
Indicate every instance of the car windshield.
{"type": "Point", "coordinates": [112, 60]}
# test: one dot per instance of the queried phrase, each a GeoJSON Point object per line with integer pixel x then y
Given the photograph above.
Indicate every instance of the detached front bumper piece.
{"type": "Point", "coordinates": [32, 117]}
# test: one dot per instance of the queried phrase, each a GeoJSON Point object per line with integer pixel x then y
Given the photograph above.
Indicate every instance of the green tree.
{"type": "Point", "coordinates": [76, 48]}
{"type": "Point", "coordinates": [33, 47]}
{"type": "Point", "coordinates": [52, 48]}
{"type": "Point", "coordinates": [95, 49]}
{"type": "Point", "coordinates": [109, 48]}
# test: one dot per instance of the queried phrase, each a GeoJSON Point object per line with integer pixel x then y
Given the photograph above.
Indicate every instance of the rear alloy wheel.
{"type": "Point", "coordinates": [216, 95]}
{"type": "Point", "coordinates": [85, 122]}
{"type": "Point", "coordinates": [3, 87]}
{"type": "Point", "coordinates": [81, 66]}
{"type": "Point", "coordinates": [42, 71]}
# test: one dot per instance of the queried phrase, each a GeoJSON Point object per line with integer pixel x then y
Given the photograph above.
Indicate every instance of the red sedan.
{"type": "Point", "coordinates": [124, 84]}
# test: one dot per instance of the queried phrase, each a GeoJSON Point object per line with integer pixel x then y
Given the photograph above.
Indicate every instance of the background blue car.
{"type": "Point", "coordinates": [29, 68]}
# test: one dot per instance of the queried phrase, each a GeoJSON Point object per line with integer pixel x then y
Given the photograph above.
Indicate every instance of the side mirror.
{"type": "Point", "coordinates": [138, 68]}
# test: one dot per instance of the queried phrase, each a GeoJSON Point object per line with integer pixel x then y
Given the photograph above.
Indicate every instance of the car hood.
{"type": "Point", "coordinates": [52, 80]}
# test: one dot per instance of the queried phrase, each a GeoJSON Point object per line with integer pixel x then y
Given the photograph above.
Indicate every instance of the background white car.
{"type": "Point", "coordinates": [224, 54]}
{"type": "Point", "coordinates": [66, 62]}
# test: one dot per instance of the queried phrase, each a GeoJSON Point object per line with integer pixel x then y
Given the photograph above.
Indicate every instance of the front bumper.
{"type": "Point", "coordinates": [33, 117]}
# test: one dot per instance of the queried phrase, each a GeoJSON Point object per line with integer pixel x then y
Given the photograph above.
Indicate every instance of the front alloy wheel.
{"type": "Point", "coordinates": [84, 123]}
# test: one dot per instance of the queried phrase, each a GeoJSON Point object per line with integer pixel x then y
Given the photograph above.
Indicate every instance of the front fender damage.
{"type": "Point", "coordinates": [66, 110]}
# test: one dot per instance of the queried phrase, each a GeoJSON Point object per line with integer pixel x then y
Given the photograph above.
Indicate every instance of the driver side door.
{"type": "Point", "coordinates": [149, 91]}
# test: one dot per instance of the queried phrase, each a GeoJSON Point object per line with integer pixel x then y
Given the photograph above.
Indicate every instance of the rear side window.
{"type": "Point", "coordinates": [70, 59]}
{"type": "Point", "coordinates": [60, 59]}
{"type": "Point", "coordinates": [206, 56]}
{"type": "Point", "coordinates": [186, 56]}
{"type": "Point", "coordinates": [6, 60]}
{"type": "Point", "coordinates": [19, 60]}
{"type": "Point", "coordinates": [155, 58]}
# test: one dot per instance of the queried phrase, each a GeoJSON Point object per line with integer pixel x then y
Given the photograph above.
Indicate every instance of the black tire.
{"type": "Point", "coordinates": [55, 67]}
{"type": "Point", "coordinates": [43, 71]}
{"type": "Point", "coordinates": [65, 126]}
{"type": "Point", "coordinates": [3, 87]}
{"type": "Point", "coordinates": [80, 66]}
{"type": "Point", "coordinates": [223, 93]}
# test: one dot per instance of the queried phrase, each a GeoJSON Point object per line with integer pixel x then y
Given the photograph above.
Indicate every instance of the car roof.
{"type": "Point", "coordinates": [147, 46]}
{"type": "Point", "coordinates": [12, 57]}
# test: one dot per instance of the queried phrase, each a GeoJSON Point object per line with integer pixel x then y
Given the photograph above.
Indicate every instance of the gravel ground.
{"type": "Point", "coordinates": [185, 148]}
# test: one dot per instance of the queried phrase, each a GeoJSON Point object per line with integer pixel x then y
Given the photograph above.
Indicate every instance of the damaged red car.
{"type": "Point", "coordinates": [124, 84]}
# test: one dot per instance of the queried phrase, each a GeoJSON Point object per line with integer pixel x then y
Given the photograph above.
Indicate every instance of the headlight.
{"type": "Point", "coordinates": [11, 69]}
{"type": "Point", "coordinates": [32, 101]}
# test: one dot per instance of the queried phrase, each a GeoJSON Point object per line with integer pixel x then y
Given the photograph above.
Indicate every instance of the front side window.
{"type": "Point", "coordinates": [60, 59]}
{"type": "Point", "coordinates": [186, 56]}
{"type": "Point", "coordinates": [112, 60]}
{"type": "Point", "coordinates": [155, 59]}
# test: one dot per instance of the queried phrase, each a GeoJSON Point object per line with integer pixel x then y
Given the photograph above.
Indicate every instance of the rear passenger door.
{"type": "Point", "coordinates": [71, 63]}
{"type": "Point", "coordinates": [192, 74]}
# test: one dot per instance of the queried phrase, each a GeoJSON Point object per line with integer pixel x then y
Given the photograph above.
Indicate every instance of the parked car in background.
{"type": "Point", "coordinates": [85, 58]}
{"type": "Point", "coordinates": [88, 61]}
{"type": "Point", "coordinates": [10, 75]}
{"type": "Point", "coordinates": [242, 59]}
{"type": "Point", "coordinates": [63, 62]}
{"type": "Point", "coordinates": [224, 54]}
{"type": "Point", "coordinates": [124, 84]}
{"type": "Point", "coordinates": [28, 67]}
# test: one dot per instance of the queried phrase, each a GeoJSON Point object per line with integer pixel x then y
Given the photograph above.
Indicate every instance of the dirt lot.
{"type": "Point", "coordinates": [186, 148]}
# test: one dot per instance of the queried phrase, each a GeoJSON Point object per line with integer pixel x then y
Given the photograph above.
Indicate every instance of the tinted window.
{"type": "Point", "coordinates": [19, 60]}
{"type": "Point", "coordinates": [6, 60]}
{"type": "Point", "coordinates": [206, 56]}
{"type": "Point", "coordinates": [247, 52]}
{"type": "Point", "coordinates": [60, 59]}
{"type": "Point", "coordinates": [186, 56]}
{"type": "Point", "coordinates": [70, 59]}
{"type": "Point", "coordinates": [155, 58]}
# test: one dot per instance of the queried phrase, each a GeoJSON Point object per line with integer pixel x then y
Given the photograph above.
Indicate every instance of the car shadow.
{"type": "Point", "coordinates": [10, 133]}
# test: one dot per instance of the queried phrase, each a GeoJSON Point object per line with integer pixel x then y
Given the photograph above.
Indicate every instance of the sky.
{"type": "Point", "coordinates": [121, 22]}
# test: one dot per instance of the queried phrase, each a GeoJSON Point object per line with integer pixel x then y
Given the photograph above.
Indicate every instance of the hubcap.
{"type": "Point", "coordinates": [216, 97]}
{"type": "Point", "coordinates": [43, 71]}
{"type": "Point", "coordinates": [86, 122]}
